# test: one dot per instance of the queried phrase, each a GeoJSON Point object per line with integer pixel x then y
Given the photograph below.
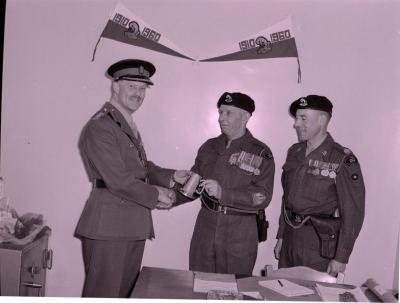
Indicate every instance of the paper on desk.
{"type": "Point", "coordinates": [204, 282]}
{"type": "Point", "coordinates": [288, 289]}
{"type": "Point", "coordinates": [252, 294]}
{"type": "Point", "coordinates": [334, 294]}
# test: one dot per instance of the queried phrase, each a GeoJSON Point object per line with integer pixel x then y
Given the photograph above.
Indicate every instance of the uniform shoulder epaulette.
{"type": "Point", "coordinates": [296, 147]}
{"type": "Point", "coordinates": [100, 114]}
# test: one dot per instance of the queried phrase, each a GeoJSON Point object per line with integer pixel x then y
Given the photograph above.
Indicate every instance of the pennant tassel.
{"type": "Point", "coordinates": [95, 48]}
{"type": "Point", "coordinates": [298, 71]}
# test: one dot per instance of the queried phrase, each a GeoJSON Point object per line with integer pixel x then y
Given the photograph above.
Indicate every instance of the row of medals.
{"type": "Point", "coordinates": [325, 169]}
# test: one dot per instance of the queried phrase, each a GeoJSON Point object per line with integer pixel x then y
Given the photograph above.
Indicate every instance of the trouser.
{"type": "Point", "coordinates": [111, 267]}
{"type": "Point", "coordinates": [301, 247]}
{"type": "Point", "coordinates": [224, 243]}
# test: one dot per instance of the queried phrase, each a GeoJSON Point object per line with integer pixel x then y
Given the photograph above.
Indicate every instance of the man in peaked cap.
{"type": "Point", "coordinates": [238, 176]}
{"type": "Point", "coordinates": [116, 219]}
{"type": "Point", "coordinates": [323, 194]}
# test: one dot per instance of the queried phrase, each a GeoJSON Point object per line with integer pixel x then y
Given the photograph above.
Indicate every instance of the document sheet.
{"type": "Point", "coordinates": [204, 282]}
{"type": "Point", "coordinates": [286, 288]}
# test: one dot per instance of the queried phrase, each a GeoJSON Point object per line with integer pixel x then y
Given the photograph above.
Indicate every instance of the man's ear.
{"type": "Point", "coordinates": [115, 87]}
{"type": "Point", "coordinates": [245, 117]}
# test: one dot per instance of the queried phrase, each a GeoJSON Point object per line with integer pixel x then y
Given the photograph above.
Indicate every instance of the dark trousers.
{"type": "Point", "coordinates": [111, 267]}
{"type": "Point", "coordinates": [301, 247]}
{"type": "Point", "coordinates": [224, 243]}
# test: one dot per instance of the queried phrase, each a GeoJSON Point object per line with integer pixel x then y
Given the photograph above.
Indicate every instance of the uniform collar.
{"type": "Point", "coordinates": [238, 143]}
{"type": "Point", "coordinates": [118, 117]}
{"type": "Point", "coordinates": [324, 147]}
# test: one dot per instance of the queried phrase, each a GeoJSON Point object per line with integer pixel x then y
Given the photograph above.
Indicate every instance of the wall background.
{"type": "Point", "coordinates": [348, 52]}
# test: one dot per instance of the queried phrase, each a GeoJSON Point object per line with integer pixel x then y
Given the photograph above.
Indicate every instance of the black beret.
{"type": "Point", "coordinates": [133, 70]}
{"type": "Point", "coordinates": [311, 102]}
{"type": "Point", "coordinates": [237, 99]}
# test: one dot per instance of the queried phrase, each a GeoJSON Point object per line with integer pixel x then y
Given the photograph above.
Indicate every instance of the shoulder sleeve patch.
{"type": "Point", "coordinates": [268, 156]}
{"type": "Point", "coordinates": [351, 159]}
{"type": "Point", "coordinates": [266, 153]}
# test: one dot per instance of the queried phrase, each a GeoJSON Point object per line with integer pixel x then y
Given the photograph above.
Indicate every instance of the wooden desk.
{"type": "Point", "coordinates": [163, 283]}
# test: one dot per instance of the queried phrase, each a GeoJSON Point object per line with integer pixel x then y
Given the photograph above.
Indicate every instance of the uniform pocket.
{"type": "Point", "coordinates": [316, 187]}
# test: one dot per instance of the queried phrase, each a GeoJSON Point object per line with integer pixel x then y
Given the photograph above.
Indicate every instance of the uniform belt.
{"type": "Point", "coordinates": [99, 183]}
{"type": "Point", "coordinates": [298, 218]}
{"type": "Point", "coordinates": [216, 207]}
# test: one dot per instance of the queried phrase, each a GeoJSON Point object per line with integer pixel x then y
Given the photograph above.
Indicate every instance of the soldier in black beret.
{"type": "Point", "coordinates": [323, 194]}
{"type": "Point", "coordinates": [116, 219]}
{"type": "Point", "coordinates": [238, 176]}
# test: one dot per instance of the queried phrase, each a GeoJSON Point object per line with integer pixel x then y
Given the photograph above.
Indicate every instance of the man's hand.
{"type": "Point", "coordinates": [335, 267]}
{"type": "Point", "coordinates": [180, 176]}
{"type": "Point", "coordinates": [212, 188]}
{"type": "Point", "coordinates": [277, 249]}
{"type": "Point", "coordinates": [166, 197]}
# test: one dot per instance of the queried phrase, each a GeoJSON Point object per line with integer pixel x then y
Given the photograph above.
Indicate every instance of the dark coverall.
{"type": "Point", "coordinates": [329, 178]}
{"type": "Point", "coordinates": [227, 243]}
{"type": "Point", "coordinates": [116, 219]}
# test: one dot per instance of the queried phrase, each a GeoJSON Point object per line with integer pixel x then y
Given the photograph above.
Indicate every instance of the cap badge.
{"type": "Point", "coordinates": [141, 70]}
{"type": "Point", "coordinates": [303, 102]}
{"type": "Point", "coordinates": [228, 99]}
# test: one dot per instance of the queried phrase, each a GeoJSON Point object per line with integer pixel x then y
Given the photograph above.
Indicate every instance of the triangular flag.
{"type": "Point", "coordinates": [125, 27]}
{"type": "Point", "coordinates": [276, 41]}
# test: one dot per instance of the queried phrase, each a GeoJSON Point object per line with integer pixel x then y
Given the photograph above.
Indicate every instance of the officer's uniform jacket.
{"type": "Point", "coordinates": [110, 151]}
{"type": "Point", "coordinates": [329, 178]}
{"type": "Point", "coordinates": [240, 183]}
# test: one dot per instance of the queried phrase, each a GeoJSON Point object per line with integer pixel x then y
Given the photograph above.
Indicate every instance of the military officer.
{"type": "Point", "coordinates": [323, 194]}
{"type": "Point", "coordinates": [238, 176]}
{"type": "Point", "coordinates": [116, 220]}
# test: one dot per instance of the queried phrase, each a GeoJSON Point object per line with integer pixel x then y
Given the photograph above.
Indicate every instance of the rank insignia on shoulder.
{"type": "Point", "coordinates": [98, 116]}
{"type": "Point", "coordinates": [351, 160]}
{"type": "Point", "coordinates": [247, 162]}
{"type": "Point", "coordinates": [347, 151]}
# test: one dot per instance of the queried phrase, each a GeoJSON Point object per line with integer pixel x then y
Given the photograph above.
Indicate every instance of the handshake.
{"type": "Point", "coordinates": [166, 196]}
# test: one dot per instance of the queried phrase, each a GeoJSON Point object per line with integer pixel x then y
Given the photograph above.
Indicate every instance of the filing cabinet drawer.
{"type": "Point", "coordinates": [23, 268]}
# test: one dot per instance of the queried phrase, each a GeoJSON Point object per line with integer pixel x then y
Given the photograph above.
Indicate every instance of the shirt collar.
{"type": "Point", "coordinates": [124, 112]}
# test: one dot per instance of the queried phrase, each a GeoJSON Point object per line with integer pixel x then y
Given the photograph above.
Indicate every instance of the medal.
{"type": "Point", "coordinates": [315, 172]}
{"type": "Point", "coordinates": [332, 174]}
{"type": "Point", "coordinates": [325, 172]}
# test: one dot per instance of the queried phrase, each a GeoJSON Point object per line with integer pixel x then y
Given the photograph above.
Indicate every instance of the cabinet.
{"type": "Point", "coordinates": [23, 267]}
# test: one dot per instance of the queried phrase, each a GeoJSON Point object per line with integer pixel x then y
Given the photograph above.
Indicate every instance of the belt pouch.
{"type": "Point", "coordinates": [328, 233]}
{"type": "Point", "coordinates": [262, 226]}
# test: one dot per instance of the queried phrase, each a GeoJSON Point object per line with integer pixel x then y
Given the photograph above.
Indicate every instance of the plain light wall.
{"type": "Point", "coordinates": [348, 52]}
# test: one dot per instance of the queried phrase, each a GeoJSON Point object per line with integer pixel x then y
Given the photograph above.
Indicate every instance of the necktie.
{"type": "Point", "coordinates": [134, 128]}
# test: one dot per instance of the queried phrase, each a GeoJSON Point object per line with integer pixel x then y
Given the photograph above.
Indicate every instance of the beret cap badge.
{"type": "Point", "coordinates": [228, 99]}
{"type": "Point", "coordinates": [303, 102]}
{"type": "Point", "coordinates": [238, 100]}
{"type": "Point", "coordinates": [314, 102]}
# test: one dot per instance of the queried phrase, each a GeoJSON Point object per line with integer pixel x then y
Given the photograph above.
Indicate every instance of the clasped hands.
{"type": "Point", "coordinates": [167, 197]}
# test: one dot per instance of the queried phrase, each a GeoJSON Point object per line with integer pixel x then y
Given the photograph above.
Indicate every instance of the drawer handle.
{"type": "Point", "coordinates": [34, 285]}
{"type": "Point", "coordinates": [48, 258]}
